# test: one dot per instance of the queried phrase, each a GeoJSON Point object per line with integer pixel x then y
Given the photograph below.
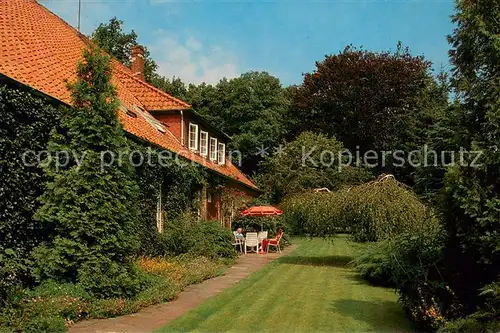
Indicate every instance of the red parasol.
{"type": "Point", "coordinates": [261, 211]}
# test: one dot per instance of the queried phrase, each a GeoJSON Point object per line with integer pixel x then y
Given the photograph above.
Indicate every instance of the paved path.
{"type": "Point", "coordinates": [154, 317]}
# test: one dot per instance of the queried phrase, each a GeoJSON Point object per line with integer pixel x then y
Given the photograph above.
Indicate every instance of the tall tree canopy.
{"type": "Point", "coordinates": [310, 161]}
{"type": "Point", "coordinates": [251, 109]}
{"type": "Point", "coordinates": [111, 38]}
{"type": "Point", "coordinates": [369, 101]}
{"type": "Point", "coordinates": [471, 204]}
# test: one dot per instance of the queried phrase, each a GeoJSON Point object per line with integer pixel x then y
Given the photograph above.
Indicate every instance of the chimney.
{"type": "Point", "coordinates": [137, 65]}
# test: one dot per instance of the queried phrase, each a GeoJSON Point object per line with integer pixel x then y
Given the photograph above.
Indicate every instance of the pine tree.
{"type": "Point", "coordinates": [89, 207]}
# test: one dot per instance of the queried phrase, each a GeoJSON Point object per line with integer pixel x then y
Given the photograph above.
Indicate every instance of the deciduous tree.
{"type": "Point", "coordinates": [310, 161]}
{"type": "Point", "coordinates": [111, 38]}
{"type": "Point", "coordinates": [369, 101]}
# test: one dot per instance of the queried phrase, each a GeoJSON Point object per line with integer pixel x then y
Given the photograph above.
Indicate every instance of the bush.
{"type": "Point", "coordinates": [471, 324]}
{"type": "Point", "coordinates": [413, 264]}
{"type": "Point", "coordinates": [487, 319]}
{"type": "Point", "coordinates": [374, 263]}
{"type": "Point", "coordinates": [52, 306]}
{"type": "Point", "coordinates": [373, 211]}
{"type": "Point", "coordinates": [47, 308]}
{"type": "Point", "coordinates": [188, 235]}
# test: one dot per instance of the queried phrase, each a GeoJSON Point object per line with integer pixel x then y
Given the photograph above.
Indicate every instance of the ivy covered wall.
{"type": "Point", "coordinates": [26, 122]}
{"type": "Point", "coordinates": [179, 185]}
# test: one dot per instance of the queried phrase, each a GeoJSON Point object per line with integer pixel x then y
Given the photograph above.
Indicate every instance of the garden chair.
{"type": "Point", "coordinates": [275, 242]}
{"type": "Point", "coordinates": [251, 241]}
{"type": "Point", "coordinates": [262, 235]}
{"type": "Point", "coordinates": [238, 242]}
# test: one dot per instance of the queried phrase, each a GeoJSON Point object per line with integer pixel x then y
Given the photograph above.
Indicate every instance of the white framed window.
{"type": "Point", "coordinates": [222, 154]}
{"type": "Point", "coordinates": [193, 136]}
{"type": "Point", "coordinates": [203, 143]}
{"type": "Point", "coordinates": [209, 197]}
{"type": "Point", "coordinates": [213, 149]}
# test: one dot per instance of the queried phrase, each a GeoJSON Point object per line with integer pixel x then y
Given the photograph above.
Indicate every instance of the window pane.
{"type": "Point", "coordinates": [213, 149]}
{"type": "Point", "coordinates": [193, 136]}
{"type": "Point", "coordinates": [222, 153]}
{"type": "Point", "coordinates": [203, 143]}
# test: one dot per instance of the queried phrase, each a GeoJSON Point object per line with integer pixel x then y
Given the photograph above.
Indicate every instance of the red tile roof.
{"type": "Point", "coordinates": [40, 50]}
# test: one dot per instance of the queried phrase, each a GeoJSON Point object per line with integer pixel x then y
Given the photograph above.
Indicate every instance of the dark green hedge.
{"type": "Point", "coordinates": [25, 125]}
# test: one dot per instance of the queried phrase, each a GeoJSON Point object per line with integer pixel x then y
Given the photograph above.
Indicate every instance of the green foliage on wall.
{"type": "Point", "coordinates": [25, 126]}
{"type": "Point", "coordinates": [179, 187]}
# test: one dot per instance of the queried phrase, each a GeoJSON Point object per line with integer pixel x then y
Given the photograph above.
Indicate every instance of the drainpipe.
{"type": "Point", "coordinates": [182, 128]}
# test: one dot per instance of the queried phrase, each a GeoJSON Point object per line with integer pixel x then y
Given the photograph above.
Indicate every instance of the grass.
{"type": "Point", "coordinates": [310, 290]}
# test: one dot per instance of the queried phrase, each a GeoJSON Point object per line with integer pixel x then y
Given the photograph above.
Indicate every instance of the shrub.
{"type": "Point", "coordinates": [373, 211]}
{"type": "Point", "coordinates": [383, 209]}
{"type": "Point", "coordinates": [52, 305]}
{"type": "Point", "coordinates": [413, 263]}
{"type": "Point", "coordinates": [314, 213]}
{"type": "Point", "coordinates": [486, 319]}
{"type": "Point", "coordinates": [188, 235]}
{"type": "Point", "coordinates": [374, 263]}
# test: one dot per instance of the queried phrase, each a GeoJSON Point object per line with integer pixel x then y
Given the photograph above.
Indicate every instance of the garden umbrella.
{"type": "Point", "coordinates": [262, 211]}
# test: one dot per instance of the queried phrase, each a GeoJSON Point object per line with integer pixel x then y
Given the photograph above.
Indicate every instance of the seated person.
{"type": "Point", "coordinates": [266, 241]}
{"type": "Point", "coordinates": [239, 234]}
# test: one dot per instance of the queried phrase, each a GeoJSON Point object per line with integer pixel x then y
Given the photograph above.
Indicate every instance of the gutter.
{"type": "Point", "coordinates": [182, 128]}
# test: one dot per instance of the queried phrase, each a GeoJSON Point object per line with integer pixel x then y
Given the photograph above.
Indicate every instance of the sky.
{"type": "Point", "coordinates": [206, 40]}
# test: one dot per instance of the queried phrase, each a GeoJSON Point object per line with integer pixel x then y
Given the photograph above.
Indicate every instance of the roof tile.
{"type": "Point", "coordinates": [40, 50]}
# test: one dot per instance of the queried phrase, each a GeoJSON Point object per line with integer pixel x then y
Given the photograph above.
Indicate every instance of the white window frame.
{"type": "Point", "coordinates": [221, 156]}
{"type": "Point", "coordinates": [193, 128]}
{"type": "Point", "coordinates": [209, 197]}
{"type": "Point", "coordinates": [203, 143]}
{"type": "Point", "coordinates": [213, 152]}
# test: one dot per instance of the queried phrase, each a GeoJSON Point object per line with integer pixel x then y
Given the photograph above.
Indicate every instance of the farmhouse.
{"type": "Point", "coordinates": [39, 52]}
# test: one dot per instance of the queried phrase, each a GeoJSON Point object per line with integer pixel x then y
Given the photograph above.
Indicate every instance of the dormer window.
{"type": "Point", "coordinates": [151, 120]}
{"type": "Point", "coordinates": [222, 154]}
{"type": "Point", "coordinates": [203, 143]}
{"type": "Point", "coordinates": [193, 136]}
{"type": "Point", "coordinates": [213, 149]}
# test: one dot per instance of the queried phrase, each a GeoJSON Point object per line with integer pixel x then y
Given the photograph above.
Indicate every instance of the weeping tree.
{"type": "Point", "coordinates": [89, 204]}
{"type": "Point", "coordinates": [373, 211]}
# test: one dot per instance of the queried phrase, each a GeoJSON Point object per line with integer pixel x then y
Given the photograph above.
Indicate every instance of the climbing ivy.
{"type": "Point", "coordinates": [26, 121]}
{"type": "Point", "coordinates": [179, 183]}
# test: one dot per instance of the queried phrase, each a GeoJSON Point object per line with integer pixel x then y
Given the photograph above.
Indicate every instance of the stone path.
{"type": "Point", "coordinates": [154, 317]}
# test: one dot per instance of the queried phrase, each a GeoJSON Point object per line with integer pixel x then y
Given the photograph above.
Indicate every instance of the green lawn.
{"type": "Point", "coordinates": [309, 290]}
